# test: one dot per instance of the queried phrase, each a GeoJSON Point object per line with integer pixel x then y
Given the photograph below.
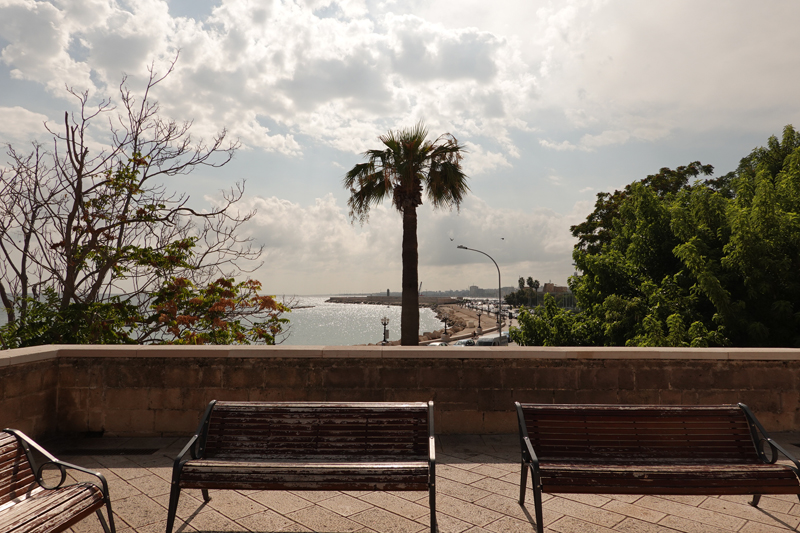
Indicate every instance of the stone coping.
{"type": "Point", "coordinates": [42, 353]}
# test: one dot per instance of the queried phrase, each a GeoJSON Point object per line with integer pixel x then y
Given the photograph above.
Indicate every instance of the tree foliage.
{"type": "Point", "coordinates": [707, 262]}
{"type": "Point", "coordinates": [90, 238]}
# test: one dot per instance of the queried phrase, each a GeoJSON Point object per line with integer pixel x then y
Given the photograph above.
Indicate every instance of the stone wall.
{"type": "Point", "coordinates": [28, 391]}
{"type": "Point", "coordinates": [163, 391]}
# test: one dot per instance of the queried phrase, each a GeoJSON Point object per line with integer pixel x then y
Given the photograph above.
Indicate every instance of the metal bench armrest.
{"type": "Point", "coordinates": [756, 428]}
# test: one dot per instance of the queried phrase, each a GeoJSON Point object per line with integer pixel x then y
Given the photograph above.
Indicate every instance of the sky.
{"type": "Point", "coordinates": [555, 101]}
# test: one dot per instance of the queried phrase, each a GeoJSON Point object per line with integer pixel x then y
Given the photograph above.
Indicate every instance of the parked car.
{"type": "Point", "coordinates": [492, 340]}
{"type": "Point", "coordinates": [438, 343]}
{"type": "Point", "coordinates": [464, 342]}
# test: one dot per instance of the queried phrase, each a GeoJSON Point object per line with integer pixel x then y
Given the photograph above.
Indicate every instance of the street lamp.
{"type": "Point", "coordinates": [385, 322]}
{"type": "Point", "coordinates": [479, 313]}
{"type": "Point", "coordinates": [499, 287]}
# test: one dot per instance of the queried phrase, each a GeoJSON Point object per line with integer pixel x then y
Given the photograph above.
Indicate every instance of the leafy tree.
{"type": "Point", "coordinates": [407, 165]}
{"type": "Point", "coordinates": [89, 235]}
{"type": "Point", "coordinates": [521, 283]}
{"type": "Point", "coordinates": [675, 260]}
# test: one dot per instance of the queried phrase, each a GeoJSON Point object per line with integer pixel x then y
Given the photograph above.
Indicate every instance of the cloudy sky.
{"type": "Point", "coordinates": [555, 100]}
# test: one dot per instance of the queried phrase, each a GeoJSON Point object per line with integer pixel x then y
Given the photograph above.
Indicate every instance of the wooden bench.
{"type": "Point", "coordinates": [649, 449]}
{"type": "Point", "coordinates": [309, 446]}
{"type": "Point", "coordinates": [29, 503]}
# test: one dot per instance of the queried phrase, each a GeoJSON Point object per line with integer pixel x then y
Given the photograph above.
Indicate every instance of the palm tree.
{"type": "Point", "coordinates": [407, 165]}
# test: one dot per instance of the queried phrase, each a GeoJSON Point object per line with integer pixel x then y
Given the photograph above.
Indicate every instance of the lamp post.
{"type": "Point", "coordinates": [479, 330]}
{"type": "Point", "coordinates": [499, 287]}
{"type": "Point", "coordinates": [385, 322]}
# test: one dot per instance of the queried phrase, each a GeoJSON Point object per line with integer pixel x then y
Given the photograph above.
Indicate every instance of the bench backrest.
{"type": "Point", "coordinates": [255, 429]}
{"type": "Point", "coordinates": [640, 433]}
{"type": "Point", "coordinates": [16, 474]}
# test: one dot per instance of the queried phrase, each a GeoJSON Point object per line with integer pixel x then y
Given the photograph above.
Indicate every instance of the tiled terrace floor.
{"type": "Point", "coordinates": [477, 492]}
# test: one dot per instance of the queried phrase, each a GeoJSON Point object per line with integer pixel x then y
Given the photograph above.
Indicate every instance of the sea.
{"type": "Point", "coordinates": [315, 322]}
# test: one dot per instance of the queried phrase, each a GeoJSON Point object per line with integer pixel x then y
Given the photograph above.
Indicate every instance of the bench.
{"type": "Point", "coordinates": [649, 449]}
{"type": "Point", "coordinates": [309, 446]}
{"type": "Point", "coordinates": [30, 503]}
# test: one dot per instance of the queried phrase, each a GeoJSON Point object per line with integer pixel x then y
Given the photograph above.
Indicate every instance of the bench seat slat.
{"type": "Point", "coordinates": [52, 510]}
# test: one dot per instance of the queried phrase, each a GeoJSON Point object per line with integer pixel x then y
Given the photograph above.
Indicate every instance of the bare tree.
{"type": "Point", "coordinates": [93, 221]}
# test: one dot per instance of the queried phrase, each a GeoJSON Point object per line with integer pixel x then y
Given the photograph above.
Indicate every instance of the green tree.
{"type": "Point", "coordinates": [521, 283]}
{"type": "Point", "coordinates": [406, 166]}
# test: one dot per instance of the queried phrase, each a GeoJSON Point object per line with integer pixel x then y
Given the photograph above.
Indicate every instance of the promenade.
{"type": "Point", "coordinates": [477, 477]}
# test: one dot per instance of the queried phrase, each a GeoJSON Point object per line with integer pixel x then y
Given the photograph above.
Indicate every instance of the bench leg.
{"type": "Point", "coordinates": [174, 495]}
{"type": "Point", "coordinates": [756, 499]}
{"type": "Point", "coordinates": [103, 522]}
{"type": "Point", "coordinates": [432, 502]}
{"type": "Point", "coordinates": [206, 497]}
{"type": "Point", "coordinates": [523, 480]}
{"type": "Point", "coordinates": [537, 502]}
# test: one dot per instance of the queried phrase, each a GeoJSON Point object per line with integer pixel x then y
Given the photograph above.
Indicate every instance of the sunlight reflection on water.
{"type": "Point", "coordinates": [334, 324]}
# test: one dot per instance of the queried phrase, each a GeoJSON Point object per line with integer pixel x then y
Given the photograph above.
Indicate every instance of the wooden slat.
{"type": "Point", "coordinates": [249, 428]}
{"type": "Point", "coordinates": [52, 510]}
{"type": "Point", "coordinates": [16, 475]}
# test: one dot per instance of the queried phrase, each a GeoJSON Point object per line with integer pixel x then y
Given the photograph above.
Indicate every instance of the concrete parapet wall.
{"type": "Point", "coordinates": [137, 390]}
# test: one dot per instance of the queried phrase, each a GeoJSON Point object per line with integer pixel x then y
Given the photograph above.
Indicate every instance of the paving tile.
{"type": "Point", "coordinates": [418, 496]}
{"type": "Point", "coordinates": [268, 521]}
{"type": "Point", "coordinates": [397, 505]}
{"type": "Point", "coordinates": [569, 524]}
{"type": "Point", "coordinates": [471, 513]}
{"type": "Point", "coordinates": [634, 525]}
{"type": "Point", "coordinates": [446, 523]}
{"type": "Point", "coordinates": [456, 474]}
{"type": "Point", "coordinates": [496, 470]}
{"type": "Point", "coordinates": [509, 525]}
{"type": "Point", "coordinates": [346, 505]}
{"type": "Point", "coordinates": [748, 512]}
{"type": "Point", "coordinates": [690, 512]}
{"type": "Point", "coordinates": [314, 496]}
{"type": "Point", "coordinates": [212, 521]}
{"type": "Point", "coordinates": [280, 501]}
{"type": "Point", "coordinates": [119, 489]}
{"type": "Point", "coordinates": [504, 488]}
{"type": "Point", "coordinates": [91, 524]}
{"type": "Point", "coordinates": [233, 504]}
{"type": "Point", "coordinates": [467, 493]}
{"type": "Point", "coordinates": [757, 527]}
{"type": "Point", "coordinates": [188, 504]}
{"type": "Point", "coordinates": [588, 513]}
{"type": "Point", "coordinates": [627, 498]}
{"type": "Point", "coordinates": [685, 499]}
{"type": "Point", "coordinates": [506, 506]}
{"type": "Point", "coordinates": [139, 510]}
{"type": "Point", "coordinates": [151, 485]}
{"type": "Point", "coordinates": [767, 503]}
{"type": "Point", "coordinates": [596, 500]}
{"type": "Point", "coordinates": [634, 511]}
{"type": "Point", "coordinates": [690, 526]}
{"type": "Point", "coordinates": [386, 522]}
{"type": "Point", "coordinates": [319, 519]}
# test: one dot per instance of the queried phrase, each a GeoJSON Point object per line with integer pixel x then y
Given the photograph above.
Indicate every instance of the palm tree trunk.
{"type": "Point", "coordinates": [409, 317]}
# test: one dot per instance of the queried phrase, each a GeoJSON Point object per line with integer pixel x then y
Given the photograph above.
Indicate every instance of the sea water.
{"type": "Point", "coordinates": [316, 322]}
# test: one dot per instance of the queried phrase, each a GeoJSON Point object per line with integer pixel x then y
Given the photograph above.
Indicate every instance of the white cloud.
{"type": "Point", "coordinates": [479, 161]}
{"type": "Point", "coordinates": [315, 249]}
{"type": "Point", "coordinates": [20, 124]}
{"type": "Point", "coordinates": [563, 146]}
